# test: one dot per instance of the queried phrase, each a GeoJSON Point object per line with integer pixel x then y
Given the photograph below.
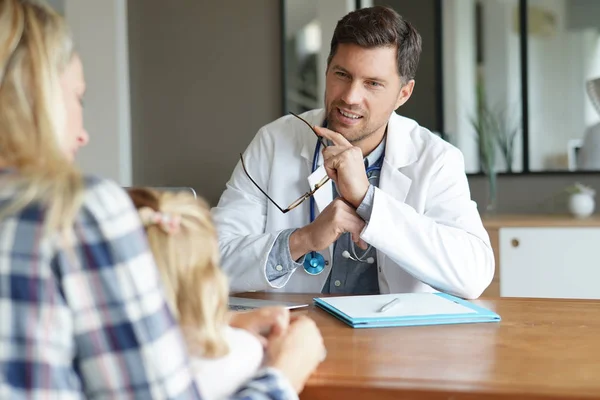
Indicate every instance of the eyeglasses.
{"type": "Point", "coordinates": [306, 195]}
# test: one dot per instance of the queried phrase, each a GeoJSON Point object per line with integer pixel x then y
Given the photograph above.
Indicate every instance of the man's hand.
{"type": "Point", "coordinates": [344, 164]}
{"type": "Point", "coordinates": [263, 323]}
{"type": "Point", "coordinates": [337, 218]}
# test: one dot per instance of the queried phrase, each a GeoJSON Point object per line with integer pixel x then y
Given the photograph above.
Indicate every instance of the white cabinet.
{"type": "Point", "coordinates": [557, 262]}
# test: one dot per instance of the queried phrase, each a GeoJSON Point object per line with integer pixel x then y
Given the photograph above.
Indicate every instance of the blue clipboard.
{"type": "Point", "coordinates": [412, 309]}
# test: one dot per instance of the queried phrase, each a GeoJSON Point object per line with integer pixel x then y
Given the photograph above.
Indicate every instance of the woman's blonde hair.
{"type": "Point", "coordinates": [35, 48]}
{"type": "Point", "coordinates": [184, 243]}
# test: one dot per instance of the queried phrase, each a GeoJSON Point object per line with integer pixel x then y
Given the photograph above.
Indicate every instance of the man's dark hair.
{"type": "Point", "coordinates": [380, 26]}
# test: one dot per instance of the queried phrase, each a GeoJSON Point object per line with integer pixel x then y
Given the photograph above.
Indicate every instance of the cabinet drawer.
{"type": "Point", "coordinates": [550, 262]}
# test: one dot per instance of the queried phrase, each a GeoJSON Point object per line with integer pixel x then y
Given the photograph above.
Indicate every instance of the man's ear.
{"type": "Point", "coordinates": [405, 93]}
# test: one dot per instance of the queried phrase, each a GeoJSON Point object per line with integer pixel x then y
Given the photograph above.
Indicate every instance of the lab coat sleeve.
{"type": "Point", "coordinates": [365, 208]}
{"type": "Point", "coordinates": [447, 247]}
{"type": "Point", "coordinates": [240, 218]}
{"type": "Point", "coordinates": [280, 264]}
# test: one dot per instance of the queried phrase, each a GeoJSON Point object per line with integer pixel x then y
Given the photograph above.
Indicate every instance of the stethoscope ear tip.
{"type": "Point", "coordinates": [346, 254]}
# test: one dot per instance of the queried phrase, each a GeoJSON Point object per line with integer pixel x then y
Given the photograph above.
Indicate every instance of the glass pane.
{"type": "Point", "coordinates": [563, 56]}
{"type": "Point", "coordinates": [482, 82]}
{"type": "Point", "coordinates": [308, 25]}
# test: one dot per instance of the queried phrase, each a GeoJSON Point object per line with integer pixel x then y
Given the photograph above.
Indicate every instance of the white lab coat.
{"type": "Point", "coordinates": [424, 225]}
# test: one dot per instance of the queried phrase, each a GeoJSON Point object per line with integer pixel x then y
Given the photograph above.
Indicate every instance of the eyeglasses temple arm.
{"type": "Point", "coordinates": [259, 188]}
{"type": "Point", "coordinates": [311, 128]}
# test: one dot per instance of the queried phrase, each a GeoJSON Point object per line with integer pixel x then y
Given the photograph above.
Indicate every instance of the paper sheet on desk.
{"type": "Point", "coordinates": [412, 309]}
{"type": "Point", "coordinates": [410, 304]}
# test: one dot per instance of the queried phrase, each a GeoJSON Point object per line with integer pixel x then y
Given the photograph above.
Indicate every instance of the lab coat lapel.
{"type": "Point", "coordinates": [399, 152]}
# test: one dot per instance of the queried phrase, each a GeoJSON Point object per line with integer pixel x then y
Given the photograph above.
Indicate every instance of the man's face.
{"type": "Point", "coordinates": [362, 90]}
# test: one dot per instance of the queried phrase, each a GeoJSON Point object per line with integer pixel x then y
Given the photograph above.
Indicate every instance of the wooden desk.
{"type": "Point", "coordinates": [542, 349]}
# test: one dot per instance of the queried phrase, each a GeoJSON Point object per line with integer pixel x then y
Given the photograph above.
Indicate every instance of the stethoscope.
{"type": "Point", "coordinates": [314, 262]}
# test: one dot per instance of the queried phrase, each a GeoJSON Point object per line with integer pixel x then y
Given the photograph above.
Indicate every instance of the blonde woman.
{"type": "Point", "coordinates": [82, 308]}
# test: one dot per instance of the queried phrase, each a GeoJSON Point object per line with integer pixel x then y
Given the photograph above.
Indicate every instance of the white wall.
{"type": "Point", "coordinates": [100, 32]}
{"type": "Point", "coordinates": [205, 76]}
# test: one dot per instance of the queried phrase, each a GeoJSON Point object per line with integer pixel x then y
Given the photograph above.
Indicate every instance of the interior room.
{"type": "Point", "coordinates": [177, 90]}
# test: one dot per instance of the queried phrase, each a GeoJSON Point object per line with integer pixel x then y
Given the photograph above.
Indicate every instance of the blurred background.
{"type": "Point", "coordinates": [177, 89]}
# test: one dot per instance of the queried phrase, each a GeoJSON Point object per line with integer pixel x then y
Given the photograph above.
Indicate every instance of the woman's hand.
{"type": "Point", "coordinates": [297, 352]}
{"type": "Point", "coordinates": [263, 323]}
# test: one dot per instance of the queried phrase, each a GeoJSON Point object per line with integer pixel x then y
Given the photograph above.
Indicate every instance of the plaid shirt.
{"type": "Point", "coordinates": [89, 320]}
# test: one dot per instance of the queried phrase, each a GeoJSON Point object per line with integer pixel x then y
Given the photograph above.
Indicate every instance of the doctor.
{"type": "Point", "coordinates": [387, 207]}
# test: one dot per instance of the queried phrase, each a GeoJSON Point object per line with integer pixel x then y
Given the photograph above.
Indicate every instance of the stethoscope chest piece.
{"type": "Point", "coordinates": [314, 263]}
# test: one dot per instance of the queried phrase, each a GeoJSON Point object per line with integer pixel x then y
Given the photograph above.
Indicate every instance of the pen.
{"type": "Point", "coordinates": [389, 305]}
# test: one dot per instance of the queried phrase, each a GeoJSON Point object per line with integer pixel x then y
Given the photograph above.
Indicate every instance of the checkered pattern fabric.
{"type": "Point", "coordinates": [89, 319]}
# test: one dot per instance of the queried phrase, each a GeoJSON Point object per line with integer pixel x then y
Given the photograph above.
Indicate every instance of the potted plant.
{"type": "Point", "coordinates": [494, 131]}
{"type": "Point", "coordinates": [486, 145]}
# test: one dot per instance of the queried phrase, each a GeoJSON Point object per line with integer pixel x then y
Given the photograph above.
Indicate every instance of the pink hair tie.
{"type": "Point", "coordinates": [170, 224]}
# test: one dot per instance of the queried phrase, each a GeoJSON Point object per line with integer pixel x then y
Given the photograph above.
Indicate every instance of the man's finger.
{"type": "Point", "coordinates": [333, 151]}
{"type": "Point", "coordinates": [337, 159]}
{"type": "Point", "coordinates": [332, 162]}
{"type": "Point", "coordinates": [358, 241]}
{"type": "Point", "coordinates": [354, 224]}
{"type": "Point", "coordinates": [331, 173]}
{"type": "Point", "coordinates": [337, 138]}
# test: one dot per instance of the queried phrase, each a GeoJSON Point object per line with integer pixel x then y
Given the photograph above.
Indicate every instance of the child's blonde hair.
{"type": "Point", "coordinates": [183, 240]}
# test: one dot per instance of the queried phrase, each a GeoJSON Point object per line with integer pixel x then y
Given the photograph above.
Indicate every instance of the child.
{"type": "Point", "coordinates": [183, 240]}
